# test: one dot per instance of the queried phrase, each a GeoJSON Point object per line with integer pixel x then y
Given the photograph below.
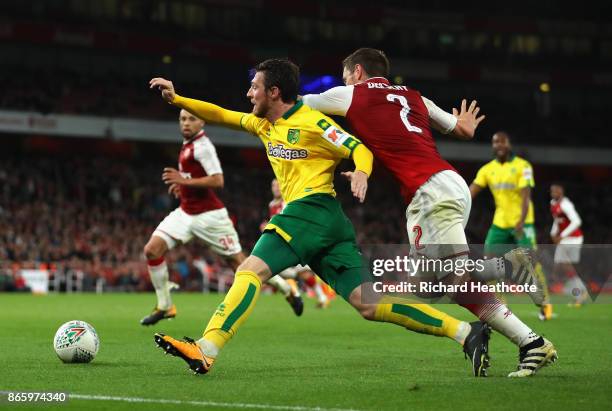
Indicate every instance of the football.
{"type": "Point", "coordinates": [76, 342]}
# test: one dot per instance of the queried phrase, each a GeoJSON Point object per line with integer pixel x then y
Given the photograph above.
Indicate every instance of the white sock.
{"type": "Point", "coordinates": [462, 332]}
{"type": "Point", "coordinates": [321, 297]}
{"type": "Point", "coordinates": [208, 348]}
{"type": "Point", "coordinates": [280, 284]}
{"type": "Point", "coordinates": [493, 269]}
{"type": "Point", "coordinates": [159, 278]}
{"type": "Point", "coordinates": [502, 320]}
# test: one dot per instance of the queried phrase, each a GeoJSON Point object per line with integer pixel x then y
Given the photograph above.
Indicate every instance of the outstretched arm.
{"type": "Point", "coordinates": [335, 101]}
{"type": "Point", "coordinates": [210, 113]}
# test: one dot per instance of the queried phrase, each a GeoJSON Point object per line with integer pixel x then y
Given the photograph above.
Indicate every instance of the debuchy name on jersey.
{"type": "Point", "coordinates": [394, 122]}
{"type": "Point", "coordinates": [198, 158]}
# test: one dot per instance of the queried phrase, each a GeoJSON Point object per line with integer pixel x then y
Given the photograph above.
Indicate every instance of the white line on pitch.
{"type": "Point", "coordinates": [203, 403]}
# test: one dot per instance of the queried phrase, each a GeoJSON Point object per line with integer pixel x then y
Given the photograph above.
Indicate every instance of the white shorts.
{"type": "Point", "coordinates": [568, 250]}
{"type": "Point", "coordinates": [437, 215]}
{"type": "Point", "coordinates": [214, 228]}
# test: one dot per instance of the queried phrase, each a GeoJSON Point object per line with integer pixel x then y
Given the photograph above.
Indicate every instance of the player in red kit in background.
{"type": "Point", "coordinates": [201, 214]}
{"type": "Point", "coordinates": [395, 122]}
{"type": "Point", "coordinates": [567, 234]}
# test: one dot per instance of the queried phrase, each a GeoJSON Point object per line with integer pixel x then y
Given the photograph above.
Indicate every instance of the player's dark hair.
{"type": "Point", "coordinates": [504, 134]}
{"type": "Point", "coordinates": [374, 62]}
{"type": "Point", "coordinates": [283, 74]}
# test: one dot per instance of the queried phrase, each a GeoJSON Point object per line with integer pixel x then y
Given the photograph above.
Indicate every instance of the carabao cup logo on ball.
{"type": "Point", "coordinates": [76, 341]}
{"type": "Point", "coordinates": [71, 334]}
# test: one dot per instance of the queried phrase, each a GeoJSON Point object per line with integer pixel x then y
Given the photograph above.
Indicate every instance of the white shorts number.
{"type": "Point", "coordinates": [214, 228]}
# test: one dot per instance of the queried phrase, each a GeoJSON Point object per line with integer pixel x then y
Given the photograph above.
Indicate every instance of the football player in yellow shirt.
{"type": "Point", "coordinates": [510, 180]}
{"type": "Point", "coordinates": [304, 147]}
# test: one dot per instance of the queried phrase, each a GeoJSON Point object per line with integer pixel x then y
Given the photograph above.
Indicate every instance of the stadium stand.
{"type": "Point", "coordinates": [93, 213]}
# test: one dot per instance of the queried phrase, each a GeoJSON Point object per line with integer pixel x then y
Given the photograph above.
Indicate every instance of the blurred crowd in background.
{"type": "Point", "coordinates": [95, 214]}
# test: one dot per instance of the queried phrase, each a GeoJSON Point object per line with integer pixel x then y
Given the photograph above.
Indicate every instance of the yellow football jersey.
{"type": "Point", "coordinates": [304, 147]}
{"type": "Point", "coordinates": [505, 180]}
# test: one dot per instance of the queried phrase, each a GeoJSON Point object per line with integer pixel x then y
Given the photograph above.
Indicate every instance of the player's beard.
{"type": "Point", "coordinates": [261, 109]}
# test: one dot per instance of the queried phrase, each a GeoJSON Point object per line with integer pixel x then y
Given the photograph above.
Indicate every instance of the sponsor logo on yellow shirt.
{"type": "Point", "coordinates": [279, 151]}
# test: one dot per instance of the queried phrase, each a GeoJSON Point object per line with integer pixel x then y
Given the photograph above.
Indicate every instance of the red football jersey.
{"type": "Point", "coordinates": [198, 158]}
{"type": "Point", "coordinates": [560, 211]}
{"type": "Point", "coordinates": [275, 207]}
{"type": "Point", "coordinates": [394, 124]}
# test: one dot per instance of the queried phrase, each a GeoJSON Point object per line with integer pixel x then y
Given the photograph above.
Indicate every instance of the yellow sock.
{"type": "Point", "coordinates": [539, 272]}
{"type": "Point", "coordinates": [234, 310]}
{"type": "Point", "coordinates": [424, 319]}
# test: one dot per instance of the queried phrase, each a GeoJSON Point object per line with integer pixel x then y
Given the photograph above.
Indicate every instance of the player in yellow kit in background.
{"type": "Point", "coordinates": [304, 147]}
{"type": "Point", "coordinates": [510, 180]}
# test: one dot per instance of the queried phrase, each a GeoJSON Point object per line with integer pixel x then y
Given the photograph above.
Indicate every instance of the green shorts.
{"type": "Point", "coordinates": [501, 240]}
{"type": "Point", "coordinates": [317, 233]}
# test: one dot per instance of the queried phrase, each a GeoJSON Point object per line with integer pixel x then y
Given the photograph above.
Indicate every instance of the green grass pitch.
{"type": "Point", "coordinates": [330, 359]}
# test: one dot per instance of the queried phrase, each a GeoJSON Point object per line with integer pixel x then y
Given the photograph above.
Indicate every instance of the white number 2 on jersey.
{"type": "Point", "coordinates": [404, 112]}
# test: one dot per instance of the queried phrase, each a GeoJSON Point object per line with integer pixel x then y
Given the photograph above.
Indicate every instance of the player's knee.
{"type": "Point", "coordinates": [256, 265]}
{"type": "Point", "coordinates": [153, 250]}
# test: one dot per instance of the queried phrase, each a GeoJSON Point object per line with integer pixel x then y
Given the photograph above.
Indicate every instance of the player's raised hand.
{"type": "Point", "coordinates": [172, 176]}
{"type": "Point", "coordinates": [359, 183]}
{"type": "Point", "coordinates": [166, 87]}
{"type": "Point", "coordinates": [470, 112]}
{"type": "Point", "coordinates": [467, 119]}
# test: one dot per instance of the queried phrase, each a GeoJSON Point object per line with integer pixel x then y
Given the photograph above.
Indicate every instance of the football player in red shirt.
{"type": "Point", "coordinates": [395, 122]}
{"type": "Point", "coordinates": [566, 233]}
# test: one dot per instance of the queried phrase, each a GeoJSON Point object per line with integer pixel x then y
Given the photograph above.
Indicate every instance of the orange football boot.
{"type": "Point", "coordinates": [188, 350]}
